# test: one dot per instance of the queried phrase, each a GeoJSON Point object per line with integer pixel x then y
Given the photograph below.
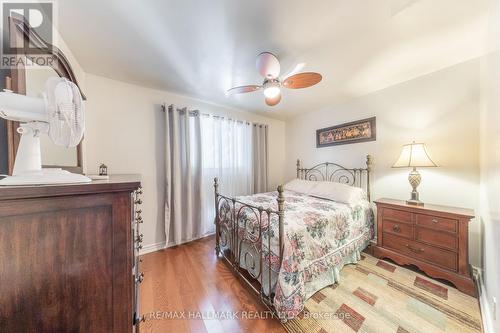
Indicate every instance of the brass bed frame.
{"type": "Point", "coordinates": [229, 239]}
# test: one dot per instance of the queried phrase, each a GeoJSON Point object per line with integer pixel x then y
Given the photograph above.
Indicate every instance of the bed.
{"type": "Point", "coordinates": [288, 244]}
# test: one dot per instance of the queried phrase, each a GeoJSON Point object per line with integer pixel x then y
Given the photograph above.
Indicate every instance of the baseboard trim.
{"type": "Point", "coordinates": [484, 304]}
{"type": "Point", "coordinates": [191, 240]}
{"type": "Point", "coordinates": [162, 245]}
{"type": "Point", "coordinates": [152, 248]}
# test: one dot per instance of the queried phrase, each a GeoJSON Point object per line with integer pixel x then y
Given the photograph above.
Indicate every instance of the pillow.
{"type": "Point", "coordinates": [300, 185]}
{"type": "Point", "coordinates": [339, 192]}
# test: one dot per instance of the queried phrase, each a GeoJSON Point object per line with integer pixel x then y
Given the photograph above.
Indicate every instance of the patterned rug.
{"type": "Point", "coordinates": [378, 296]}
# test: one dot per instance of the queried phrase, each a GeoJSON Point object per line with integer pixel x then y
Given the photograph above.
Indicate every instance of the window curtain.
{"type": "Point", "coordinates": [183, 198]}
{"type": "Point", "coordinates": [227, 155]}
{"type": "Point", "coordinates": [200, 147]}
{"type": "Point", "coordinates": [259, 158]}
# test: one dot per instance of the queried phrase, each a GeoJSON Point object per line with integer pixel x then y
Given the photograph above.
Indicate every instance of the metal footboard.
{"type": "Point", "coordinates": [239, 241]}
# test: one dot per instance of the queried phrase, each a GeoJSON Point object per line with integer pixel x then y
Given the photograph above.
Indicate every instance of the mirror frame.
{"type": "Point", "coordinates": [22, 34]}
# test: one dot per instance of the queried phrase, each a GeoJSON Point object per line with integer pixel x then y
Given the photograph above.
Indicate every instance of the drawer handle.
{"type": "Point", "coordinates": [414, 249]}
{"type": "Point", "coordinates": [434, 221]}
{"type": "Point", "coordinates": [139, 319]}
{"type": "Point", "coordinates": [396, 228]}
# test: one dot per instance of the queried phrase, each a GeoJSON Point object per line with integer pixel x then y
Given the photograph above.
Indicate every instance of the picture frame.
{"type": "Point", "coordinates": [352, 132]}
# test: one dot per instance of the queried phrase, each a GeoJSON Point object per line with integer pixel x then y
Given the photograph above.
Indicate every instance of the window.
{"type": "Point", "coordinates": [226, 147]}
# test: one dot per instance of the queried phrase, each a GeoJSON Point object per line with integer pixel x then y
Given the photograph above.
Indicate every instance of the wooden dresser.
{"type": "Point", "coordinates": [433, 238]}
{"type": "Point", "coordinates": [67, 257]}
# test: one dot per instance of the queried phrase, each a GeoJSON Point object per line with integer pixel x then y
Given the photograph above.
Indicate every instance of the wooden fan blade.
{"type": "Point", "coordinates": [273, 101]}
{"type": "Point", "coordinates": [268, 65]}
{"type": "Point", "coordinates": [243, 89]}
{"type": "Point", "coordinates": [302, 80]}
{"type": "Point", "coordinates": [300, 66]}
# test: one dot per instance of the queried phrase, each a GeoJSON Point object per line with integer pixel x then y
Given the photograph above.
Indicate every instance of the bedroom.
{"type": "Point", "coordinates": [155, 76]}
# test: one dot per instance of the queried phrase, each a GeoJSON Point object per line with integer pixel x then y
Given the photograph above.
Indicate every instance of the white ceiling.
{"type": "Point", "coordinates": [202, 48]}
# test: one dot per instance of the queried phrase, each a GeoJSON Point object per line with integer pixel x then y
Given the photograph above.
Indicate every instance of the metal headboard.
{"type": "Point", "coordinates": [333, 172]}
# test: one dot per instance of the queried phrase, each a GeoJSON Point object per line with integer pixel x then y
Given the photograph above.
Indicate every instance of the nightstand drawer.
{"type": "Point", "coordinates": [397, 215]}
{"type": "Point", "coordinates": [432, 237]}
{"type": "Point", "coordinates": [439, 257]}
{"type": "Point", "coordinates": [397, 228]}
{"type": "Point", "coordinates": [437, 238]}
{"type": "Point", "coordinates": [437, 222]}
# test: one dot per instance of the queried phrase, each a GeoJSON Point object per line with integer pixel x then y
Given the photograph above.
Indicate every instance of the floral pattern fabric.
{"type": "Point", "coordinates": [319, 235]}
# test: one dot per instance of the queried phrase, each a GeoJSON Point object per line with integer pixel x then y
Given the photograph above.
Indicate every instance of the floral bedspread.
{"type": "Point", "coordinates": [319, 235]}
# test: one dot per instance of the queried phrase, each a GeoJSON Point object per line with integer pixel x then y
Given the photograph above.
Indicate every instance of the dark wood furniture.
{"type": "Point", "coordinates": [67, 257]}
{"type": "Point", "coordinates": [433, 238]}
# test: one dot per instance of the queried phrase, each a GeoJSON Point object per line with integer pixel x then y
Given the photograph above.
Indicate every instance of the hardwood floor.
{"type": "Point", "coordinates": [190, 279]}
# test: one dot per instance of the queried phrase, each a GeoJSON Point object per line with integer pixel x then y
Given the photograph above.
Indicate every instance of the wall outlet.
{"type": "Point", "coordinates": [494, 310]}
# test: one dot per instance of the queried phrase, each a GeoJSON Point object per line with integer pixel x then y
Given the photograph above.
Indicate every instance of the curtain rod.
{"type": "Point", "coordinates": [197, 112]}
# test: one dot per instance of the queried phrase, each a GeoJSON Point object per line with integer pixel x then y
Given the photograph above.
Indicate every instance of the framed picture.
{"type": "Point", "coordinates": [353, 132]}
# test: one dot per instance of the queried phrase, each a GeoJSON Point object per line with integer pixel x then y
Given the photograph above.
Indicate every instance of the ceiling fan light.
{"type": "Point", "coordinates": [272, 91]}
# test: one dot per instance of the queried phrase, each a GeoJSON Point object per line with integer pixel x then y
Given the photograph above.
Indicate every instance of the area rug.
{"type": "Point", "coordinates": [378, 296]}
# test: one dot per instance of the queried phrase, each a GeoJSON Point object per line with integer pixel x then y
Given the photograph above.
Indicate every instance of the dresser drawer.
{"type": "Point", "coordinates": [441, 239]}
{"type": "Point", "coordinates": [396, 215]}
{"type": "Point", "coordinates": [434, 222]}
{"type": "Point", "coordinates": [439, 257]}
{"type": "Point", "coordinates": [397, 228]}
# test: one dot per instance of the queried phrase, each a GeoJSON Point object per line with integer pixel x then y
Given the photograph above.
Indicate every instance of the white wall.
{"type": "Point", "coordinates": [440, 109]}
{"type": "Point", "coordinates": [490, 171]}
{"type": "Point", "coordinates": [75, 65]}
{"type": "Point", "coordinates": [124, 130]}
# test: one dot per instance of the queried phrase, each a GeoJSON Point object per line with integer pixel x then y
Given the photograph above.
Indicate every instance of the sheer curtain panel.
{"type": "Point", "coordinates": [227, 155]}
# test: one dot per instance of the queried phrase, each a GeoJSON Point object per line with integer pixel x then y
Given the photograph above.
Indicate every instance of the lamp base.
{"type": "Point", "coordinates": [414, 202]}
{"type": "Point", "coordinates": [414, 178]}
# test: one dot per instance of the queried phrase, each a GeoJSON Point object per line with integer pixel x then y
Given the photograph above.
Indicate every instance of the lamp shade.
{"type": "Point", "coordinates": [414, 155]}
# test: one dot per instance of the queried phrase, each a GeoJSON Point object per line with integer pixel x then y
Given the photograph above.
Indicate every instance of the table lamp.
{"type": "Point", "coordinates": [414, 155]}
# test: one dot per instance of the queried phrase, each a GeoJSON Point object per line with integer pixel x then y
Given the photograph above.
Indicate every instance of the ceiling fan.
{"type": "Point", "coordinates": [269, 67]}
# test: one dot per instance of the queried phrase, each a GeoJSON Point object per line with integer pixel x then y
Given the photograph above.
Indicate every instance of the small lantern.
{"type": "Point", "coordinates": [103, 170]}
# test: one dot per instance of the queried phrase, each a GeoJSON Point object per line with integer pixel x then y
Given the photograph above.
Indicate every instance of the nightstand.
{"type": "Point", "coordinates": [433, 238]}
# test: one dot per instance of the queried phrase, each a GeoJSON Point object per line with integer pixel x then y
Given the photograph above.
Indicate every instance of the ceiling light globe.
{"type": "Point", "coordinates": [272, 91]}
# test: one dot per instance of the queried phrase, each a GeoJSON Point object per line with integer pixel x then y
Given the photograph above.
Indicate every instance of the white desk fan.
{"type": "Point", "coordinates": [60, 115]}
